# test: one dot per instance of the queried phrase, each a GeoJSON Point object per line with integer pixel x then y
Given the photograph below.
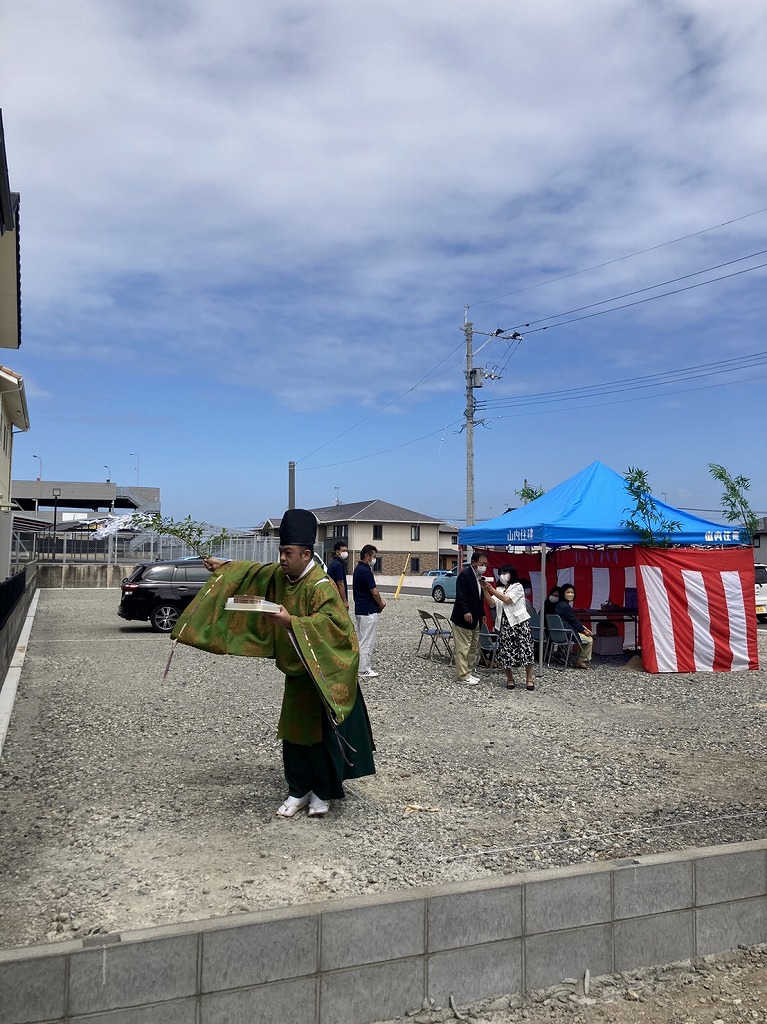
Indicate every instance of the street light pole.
{"type": "Point", "coordinates": [55, 491]}
{"type": "Point", "coordinates": [40, 472]}
{"type": "Point", "coordinates": [135, 456]}
{"type": "Point", "coordinates": [109, 473]}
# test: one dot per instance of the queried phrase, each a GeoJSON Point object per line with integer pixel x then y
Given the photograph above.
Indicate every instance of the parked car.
{"type": "Point", "coordinates": [437, 572]}
{"type": "Point", "coordinates": [157, 592]}
{"type": "Point", "coordinates": [444, 586]}
{"type": "Point", "coordinates": [760, 573]}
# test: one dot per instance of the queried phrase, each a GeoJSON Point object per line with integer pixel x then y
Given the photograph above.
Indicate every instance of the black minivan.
{"type": "Point", "coordinates": [158, 592]}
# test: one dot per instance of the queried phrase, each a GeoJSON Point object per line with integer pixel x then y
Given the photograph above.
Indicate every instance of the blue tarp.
{"type": "Point", "coordinates": [588, 508]}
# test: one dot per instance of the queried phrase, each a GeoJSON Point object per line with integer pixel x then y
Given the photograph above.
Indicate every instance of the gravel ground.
{"type": "Point", "coordinates": [126, 801]}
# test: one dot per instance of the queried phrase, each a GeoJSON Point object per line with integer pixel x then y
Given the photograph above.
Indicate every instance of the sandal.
{"type": "Point", "coordinates": [293, 804]}
{"type": "Point", "coordinates": [530, 686]}
{"type": "Point", "coordinates": [318, 808]}
{"type": "Point", "coordinates": [511, 686]}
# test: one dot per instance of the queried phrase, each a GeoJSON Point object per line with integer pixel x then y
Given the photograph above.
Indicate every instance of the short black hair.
{"type": "Point", "coordinates": [368, 549]}
{"type": "Point", "coordinates": [476, 555]}
{"type": "Point", "coordinates": [525, 583]}
{"type": "Point", "coordinates": [511, 571]}
{"type": "Point", "coordinates": [338, 545]}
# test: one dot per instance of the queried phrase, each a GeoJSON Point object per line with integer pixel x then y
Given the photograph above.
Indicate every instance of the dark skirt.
{"type": "Point", "coordinates": [515, 646]}
{"type": "Point", "coordinates": [343, 754]}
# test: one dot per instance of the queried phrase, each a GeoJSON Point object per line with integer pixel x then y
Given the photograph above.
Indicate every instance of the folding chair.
{"type": "Point", "coordinates": [429, 630]}
{"type": "Point", "coordinates": [445, 634]}
{"type": "Point", "coordinates": [535, 630]}
{"type": "Point", "coordinates": [488, 646]}
{"type": "Point", "coordinates": [559, 635]}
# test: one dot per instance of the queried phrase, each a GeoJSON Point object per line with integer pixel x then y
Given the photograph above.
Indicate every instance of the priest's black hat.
{"type": "Point", "coordinates": [298, 527]}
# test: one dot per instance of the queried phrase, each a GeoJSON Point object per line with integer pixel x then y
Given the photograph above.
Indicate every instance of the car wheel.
{"type": "Point", "coordinates": [164, 617]}
{"type": "Point", "coordinates": [438, 594]}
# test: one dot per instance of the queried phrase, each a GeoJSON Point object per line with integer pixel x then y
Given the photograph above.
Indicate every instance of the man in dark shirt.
{"type": "Point", "coordinates": [468, 611]}
{"type": "Point", "coordinates": [337, 569]}
{"type": "Point", "coordinates": [368, 605]}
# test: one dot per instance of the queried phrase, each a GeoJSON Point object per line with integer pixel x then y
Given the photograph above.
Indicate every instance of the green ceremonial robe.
{"type": "Point", "coordinates": [319, 654]}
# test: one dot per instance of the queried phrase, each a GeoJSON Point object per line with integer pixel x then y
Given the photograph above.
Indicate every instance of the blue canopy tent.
{"type": "Point", "coordinates": [588, 508]}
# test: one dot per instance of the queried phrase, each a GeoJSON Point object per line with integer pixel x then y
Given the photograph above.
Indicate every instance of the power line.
{"type": "Point", "coordinates": [619, 259]}
{"type": "Point", "coordinates": [638, 291]}
{"type": "Point", "coordinates": [381, 408]}
{"type": "Point", "coordinates": [634, 383]}
{"type": "Point", "coordinates": [651, 298]}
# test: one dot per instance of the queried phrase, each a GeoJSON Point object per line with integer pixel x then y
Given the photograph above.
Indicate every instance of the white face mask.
{"type": "Point", "coordinates": [480, 570]}
{"type": "Point", "coordinates": [343, 555]}
{"type": "Point", "coordinates": [504, 577]}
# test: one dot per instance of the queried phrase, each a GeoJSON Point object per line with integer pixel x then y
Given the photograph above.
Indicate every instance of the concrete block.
{"type": "Point", "coordinates": [470, 918]}
{"type": "Point", "coordinates": [728, 925]}
{"type": "Point", "coordinates": [641, 890]}
{"type": "Point", "coordinates": [119, 976]}
{"type": "Point", "coordinates": [475, 973]}
{"type": "Point", "coordinates": [730, 876]}
{"type": "Point", "coordinates": [180, 1011]}
{"type": "Point", "coordinates": [365, 935]}
{"type": "Point", "coordinates": [284, 1002]}
{"type": "Point", "coordinates": [374, 992]}
{"type": "Point", "coordinates": [570, 902]}
{"type": "Point", "coordinates": [253, 954]}
{"type": "Point", "coordinates": [32, 989]}
{"type": "Point", "coordinates": [653, 940]}
{"type": "Point", "coordinates": [550, 958]}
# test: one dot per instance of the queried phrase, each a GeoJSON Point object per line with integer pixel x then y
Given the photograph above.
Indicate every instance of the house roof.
{"type": "Point", "coordinates": [374, 510]}
{"type": "Point", "coordinates": [10, 258]}
{"type": "Point", "coordinates": [15, 399]}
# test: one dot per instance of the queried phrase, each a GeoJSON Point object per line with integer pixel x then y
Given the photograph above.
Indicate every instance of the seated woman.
{"type": "Point", "coordinates": [567, 615]}
{"type": "Point", "coordinates": [512, 623]}
{"type": "Point", "coordinates": [550, 604]}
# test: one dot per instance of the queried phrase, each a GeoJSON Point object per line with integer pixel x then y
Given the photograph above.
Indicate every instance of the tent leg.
{"type": "Point", "coordinates": [541, 612]}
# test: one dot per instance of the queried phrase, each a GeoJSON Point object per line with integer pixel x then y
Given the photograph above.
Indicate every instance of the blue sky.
{"type": "Point", "coordinates": [249, 232]}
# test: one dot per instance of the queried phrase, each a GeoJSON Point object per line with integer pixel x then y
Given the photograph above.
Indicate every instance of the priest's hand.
{"type": "Point", "coordinates": [281, 618]}
{"type": "Point", "coordinates": [214, 563]}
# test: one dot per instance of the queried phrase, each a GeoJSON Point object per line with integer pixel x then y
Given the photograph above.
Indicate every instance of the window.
{"type": "Point", "coordinates": [415, 532]}
{"type": "Point", "coordinates": [196, 574]}
{"type": "Point", "coordinates": [454, 538]}
{"type": "Point", "coordinates": [377, 531]}
{"type": "Point", "coordinates": [340, 530]}
{"type": "Point", "coordinates": [415, 565]}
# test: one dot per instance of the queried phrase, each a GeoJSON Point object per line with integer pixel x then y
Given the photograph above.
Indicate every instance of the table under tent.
{"type": "Point", "coordinates": [694, 601]}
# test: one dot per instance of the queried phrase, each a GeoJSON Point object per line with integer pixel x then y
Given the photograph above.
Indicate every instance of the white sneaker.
{"type": "Point", "coordinates": [369, 674]}
{"type": "Point", "coordinates": [469, 681]}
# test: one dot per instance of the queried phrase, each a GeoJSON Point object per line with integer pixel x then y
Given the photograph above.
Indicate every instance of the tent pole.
{"type": "Point", "coordinates": [541, 611]}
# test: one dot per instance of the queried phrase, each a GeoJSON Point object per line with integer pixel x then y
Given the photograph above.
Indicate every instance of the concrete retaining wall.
{"type": "Point", "coordinates": [81, 574]}
{"type": "Point", "coordinates": [356, 961]}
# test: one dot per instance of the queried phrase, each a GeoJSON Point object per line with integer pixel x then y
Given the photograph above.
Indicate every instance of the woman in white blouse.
{"type": "Point", "coordinates": [512, 623]}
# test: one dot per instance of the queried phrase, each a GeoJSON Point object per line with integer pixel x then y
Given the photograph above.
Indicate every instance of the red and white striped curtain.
{"type": "Point", "coordinates": [696, 610]}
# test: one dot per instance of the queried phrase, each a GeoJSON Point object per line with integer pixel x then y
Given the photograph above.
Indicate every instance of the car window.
{"type": "Point", "coordinates": [760, 571]}
{"type": "Point", "coordinates": [159, 572]}
{"type": "Point", "coordinates": [194, 574]}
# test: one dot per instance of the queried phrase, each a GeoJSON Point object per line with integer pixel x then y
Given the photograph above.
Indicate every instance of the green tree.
{"type": "Point", "coordinates": [529, 493]}
{"type": "Point", "coordinates": [198, 536]}
{"type": "Point", "coordinates": [735, 505]}
{"type": "Point", "coordinates": [645, 518]}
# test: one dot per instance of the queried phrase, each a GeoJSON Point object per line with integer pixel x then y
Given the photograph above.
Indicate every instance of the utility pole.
{"type": "Point", "coordinates": [475, 379]}
{"type": "Point", "coordinates": [468, 329]}
{"type": "Point", "coordinates": [291, 485]}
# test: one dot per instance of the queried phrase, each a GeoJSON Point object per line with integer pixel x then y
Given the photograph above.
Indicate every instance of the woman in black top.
{"type": "Point", "coordinates": [564, 610]}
